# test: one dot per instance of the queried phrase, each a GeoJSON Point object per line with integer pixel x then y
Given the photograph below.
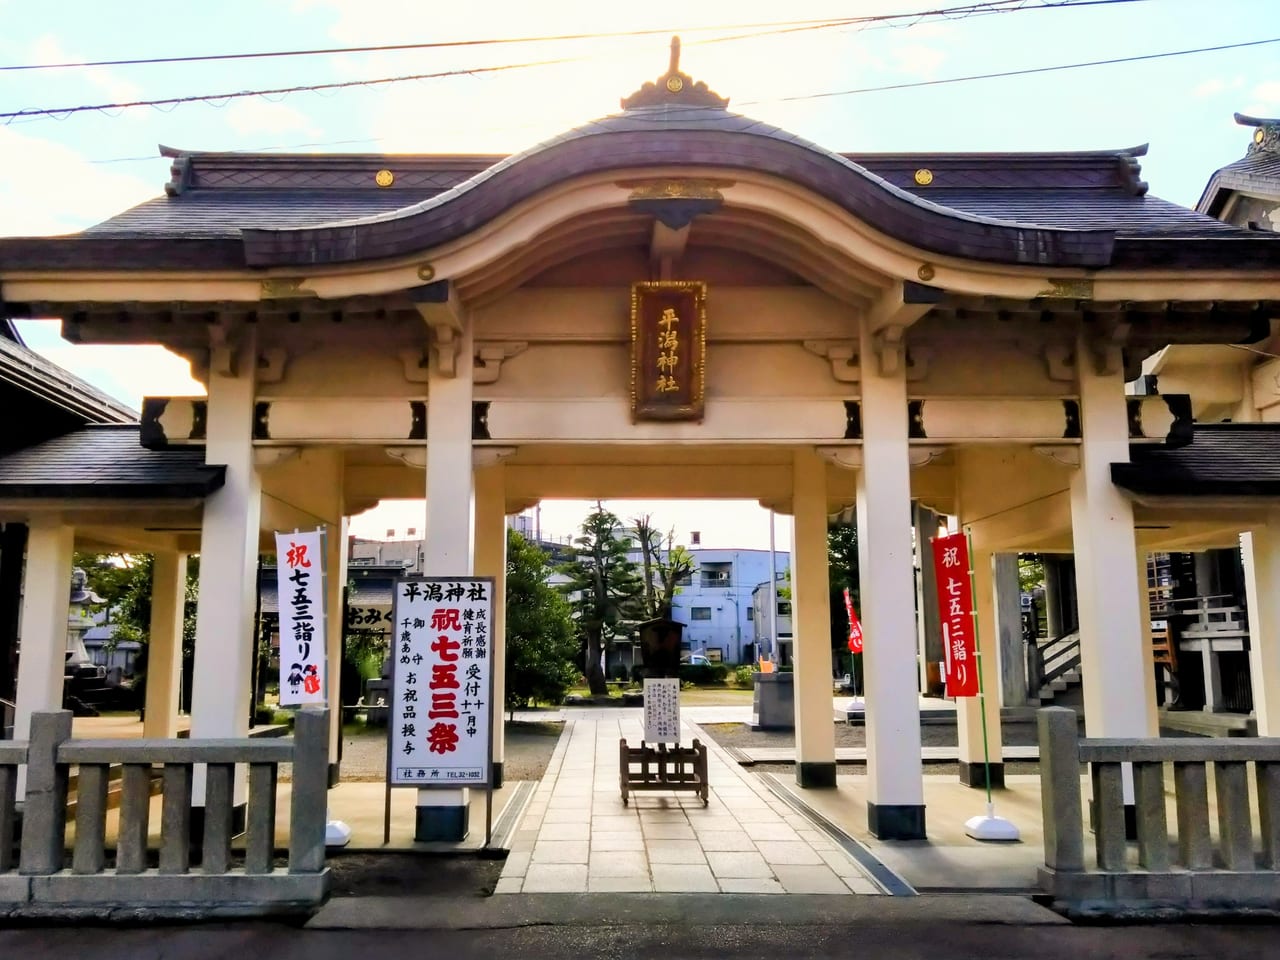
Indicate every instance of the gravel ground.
{"type": "Point", "coordinates": [528, 749]}
{"type": "Point", "coordinates": [1015, 733]}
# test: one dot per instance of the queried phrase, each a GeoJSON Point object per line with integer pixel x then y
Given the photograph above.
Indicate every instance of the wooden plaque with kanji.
{"type": "Point", "coordinates": [668, 349]}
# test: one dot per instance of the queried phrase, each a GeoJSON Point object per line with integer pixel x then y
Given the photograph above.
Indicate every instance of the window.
{"type": "Point", "coordinates": [784, 608]}
{"type": "Point", "coordinates": [751, 613]}
{"type": "Point", "coordinates": [699, 613]}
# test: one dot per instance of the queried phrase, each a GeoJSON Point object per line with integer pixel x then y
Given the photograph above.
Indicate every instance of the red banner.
{"type": "Point", "coordinates": [855, 628]}
{"type": "Point", "coordinates": [955, 606]}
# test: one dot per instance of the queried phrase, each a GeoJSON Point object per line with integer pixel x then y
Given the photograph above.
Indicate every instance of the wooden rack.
{"type": "Point", "coordinates": [663, 768]}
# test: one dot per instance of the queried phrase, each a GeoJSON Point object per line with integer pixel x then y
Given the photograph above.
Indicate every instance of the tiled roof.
{"type": "Point", "coordinates": [1226, 459]}
{"type": "Point", "coordinates": [230, 210]}
{"type": "Point", "coordinates": [1257, 174]}
{"type": "Point", "coordinates": [32, 373]}
{"type": "Point", "coordinates": [224, 213]}
{"type": "Point", "coordinates": [107, 461]}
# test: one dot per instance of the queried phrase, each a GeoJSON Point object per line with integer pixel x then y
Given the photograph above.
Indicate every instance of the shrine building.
{"type": "Point", "coordinates": [674, 301]}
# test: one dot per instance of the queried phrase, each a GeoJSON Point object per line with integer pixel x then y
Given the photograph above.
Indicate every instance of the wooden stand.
{"type": "Point", "coordinates": [663, 768]}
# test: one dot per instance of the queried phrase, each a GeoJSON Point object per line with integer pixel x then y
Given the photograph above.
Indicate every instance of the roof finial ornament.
{"type": "Point", "coordinates": [1266, 135]}
{"type": "Point", "coordinates": [675, 88]}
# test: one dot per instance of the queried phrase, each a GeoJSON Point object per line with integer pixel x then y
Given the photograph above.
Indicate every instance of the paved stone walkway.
{"type": "Point", "coordinates": [577, 837]}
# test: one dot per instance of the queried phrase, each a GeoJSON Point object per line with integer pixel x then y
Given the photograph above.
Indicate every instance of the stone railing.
{"type": "Point", "coordinates": [1191, 872]}
{"type": "Point", "coordinates": [45, 882]}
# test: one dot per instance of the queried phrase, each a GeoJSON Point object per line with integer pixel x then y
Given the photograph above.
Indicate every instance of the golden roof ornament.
{"type": "Point", "coordinates": [675, 88]}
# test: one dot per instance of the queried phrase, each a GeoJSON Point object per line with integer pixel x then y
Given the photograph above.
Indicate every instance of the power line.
{"type": "Point", "coordinates": [988, 5]}
{"type": "Point", "coordinates": [1014, 73]}
{"type": "Point", "coordinates": [216, 98]}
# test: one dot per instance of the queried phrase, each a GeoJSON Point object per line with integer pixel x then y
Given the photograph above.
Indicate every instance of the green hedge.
{"type": "Point", "coordinates": [704, 674]}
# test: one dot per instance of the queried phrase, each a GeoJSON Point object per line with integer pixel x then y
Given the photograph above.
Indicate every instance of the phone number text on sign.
{"type": "Point", "coordinates": [441, 683]}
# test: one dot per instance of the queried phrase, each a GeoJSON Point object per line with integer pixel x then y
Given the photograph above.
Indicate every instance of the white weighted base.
{"type": "Point", "coordinates": [991, 827]}
{"type": "Point", "coordinates": [336, 834]}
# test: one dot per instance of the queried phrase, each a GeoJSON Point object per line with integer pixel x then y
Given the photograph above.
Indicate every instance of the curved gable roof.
{"type": "Point", "coordinates": [684, 136]}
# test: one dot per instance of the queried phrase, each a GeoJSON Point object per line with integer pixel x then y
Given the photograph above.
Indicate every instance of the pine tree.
{"type": "Point", "coordinates": [605, 589]}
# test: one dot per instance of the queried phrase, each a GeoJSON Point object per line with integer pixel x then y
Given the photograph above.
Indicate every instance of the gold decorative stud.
{"type": "Point", "coordinates": [924, 176]}
{"type": "Point", "coordinates": [926, 272]}
{"type": "Point", "coordinates": [426, 273]}
{"type": "Point", "coordinates": [384, 178]}
{"type": "Point", "coordinates": [1258, 135]}
{"type": "Point", "coordinates": [675, 84]}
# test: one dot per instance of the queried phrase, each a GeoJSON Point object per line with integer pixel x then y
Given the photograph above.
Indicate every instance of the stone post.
{"type": "Point", "coordinates": [309, 797]}
{"type": "Point", "coordinates": [1060, 789]}
{"type": "Point", "coordinates": [44, 811]}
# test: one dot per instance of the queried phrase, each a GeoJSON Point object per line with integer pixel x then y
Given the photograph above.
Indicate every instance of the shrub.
{"type": "Point", "coordinates": [704, 674]}
{"type": "Point", "coordinates": [744, 676]}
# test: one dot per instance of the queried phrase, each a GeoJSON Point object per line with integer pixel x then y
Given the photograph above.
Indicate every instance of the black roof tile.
{"type": "Point", "coordinates": [107, 461]}
{"type": "Point", "coordinates": [1228, 459]}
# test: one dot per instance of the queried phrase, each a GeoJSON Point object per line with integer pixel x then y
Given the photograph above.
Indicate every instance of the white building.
{"type": "Point", "coordinates": [716, 604]}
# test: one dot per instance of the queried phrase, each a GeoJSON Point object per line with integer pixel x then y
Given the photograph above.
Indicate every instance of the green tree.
{"type": "Point", "coordinates": [842, 572]}
{"type": "Point", "coordinates": [124, 581]}
{"type": "Point", "coordinates": [662, 573]}
{"type": "Point", "coordinates": [605, 589]}
{"type": "Point", "coordinates": [541, 645]}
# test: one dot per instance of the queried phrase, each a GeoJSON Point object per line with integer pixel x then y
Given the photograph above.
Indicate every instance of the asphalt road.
{"type": "Point", "coordinates": [894, 940]}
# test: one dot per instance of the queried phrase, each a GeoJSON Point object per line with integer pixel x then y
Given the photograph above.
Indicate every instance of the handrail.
{"type": "Point", "coordinates": [239, 750]}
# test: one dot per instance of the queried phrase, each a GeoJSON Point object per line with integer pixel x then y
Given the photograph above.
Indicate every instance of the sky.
{"type": "Point", "coordinates": [61, 173]}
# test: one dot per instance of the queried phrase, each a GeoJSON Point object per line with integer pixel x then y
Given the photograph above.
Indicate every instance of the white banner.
{"type": "Point", "coordinates": [662, 710]}
{"type": "Point", "coordinates": [440, 724]}
{"type": "Point", "coordinates": [300, 596]}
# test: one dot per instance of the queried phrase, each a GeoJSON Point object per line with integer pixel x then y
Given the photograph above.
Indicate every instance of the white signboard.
{"type": "Point", "coordinates": [440, 730]}
{"type": "Point", "coordinates": [662, 710]}
{"type": "Point", "coordinates": [300, 593]}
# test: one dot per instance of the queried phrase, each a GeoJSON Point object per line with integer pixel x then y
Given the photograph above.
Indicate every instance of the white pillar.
{"type": "Point", "coordinates": [1113, 663]}
{"type": "Point", "coordinates": [228, 560]}
{"type": "Point", "coordinates": [811, 624]}
{"type": "Point", "coordinates": [443, 814]}
{"type": "Point", "coordinates": [164, 647]}
{"type": "Point", "coordinates": [1260, 548]}
{"type": "Point", "coordinates": [895, 786]}
{"type": "Point", "coordinates": [968, 709]}
{"type": "Point", "coordinates": [491, 561]}
{"type": "Point", "coordinates": [46, 604]}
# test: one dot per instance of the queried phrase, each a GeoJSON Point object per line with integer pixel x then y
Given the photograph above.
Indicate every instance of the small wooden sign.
{"type": "Point", "coordinates": [668, 349]}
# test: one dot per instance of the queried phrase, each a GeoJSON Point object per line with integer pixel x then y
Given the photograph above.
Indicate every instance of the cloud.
{"type": "Point", "coordinates": [916, 59]}
{"type": "Point", "coordinates": [1268, 93]}
{"type": "Point", "coordinates": [127, 373]}
{"type": "Point", "coordinates": [507, 111]}
{"type": "Point", "coordinates": [85, 193]}
{"type": "Point", "coordinates": [1216, 85]}
{"type": "Point", "coordinates": [47, 49]}
{"type": "Point", "coordinates": [264, 116]}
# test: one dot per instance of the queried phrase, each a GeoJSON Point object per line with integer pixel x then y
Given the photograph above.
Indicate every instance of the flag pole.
{"type": "Point", "coordinates": [989, 827]}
